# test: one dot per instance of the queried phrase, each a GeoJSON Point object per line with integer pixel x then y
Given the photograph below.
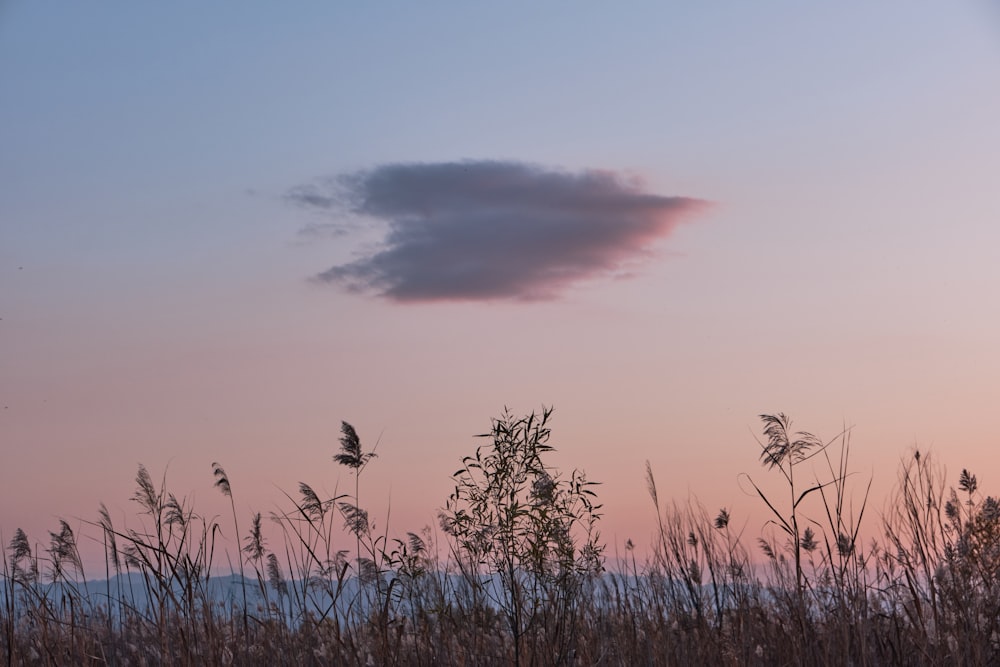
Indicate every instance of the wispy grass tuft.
{"type": "Point", "coordinates": [517, 573]}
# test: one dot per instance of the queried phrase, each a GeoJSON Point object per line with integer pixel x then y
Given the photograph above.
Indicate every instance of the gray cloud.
{"type": "Point", "coordinates": [490, 230]}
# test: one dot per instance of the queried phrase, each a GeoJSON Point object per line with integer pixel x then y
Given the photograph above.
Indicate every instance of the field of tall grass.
{"type": "Point", "coordinates": [518, 573]}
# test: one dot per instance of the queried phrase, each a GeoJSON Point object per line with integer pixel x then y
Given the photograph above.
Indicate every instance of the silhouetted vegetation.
{"type": "Point", "coordinates": [518, 575]}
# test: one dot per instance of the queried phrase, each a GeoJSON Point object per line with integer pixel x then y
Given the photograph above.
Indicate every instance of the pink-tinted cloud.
{"type": "Point", "coordinates": [490, 230]}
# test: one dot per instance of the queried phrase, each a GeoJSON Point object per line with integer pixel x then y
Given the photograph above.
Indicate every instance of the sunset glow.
{"type": "Point", "coordinates": [226, 229]}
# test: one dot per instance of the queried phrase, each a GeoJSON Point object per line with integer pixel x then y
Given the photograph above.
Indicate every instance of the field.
{"type": "Point", "coordinates": [518, 573]}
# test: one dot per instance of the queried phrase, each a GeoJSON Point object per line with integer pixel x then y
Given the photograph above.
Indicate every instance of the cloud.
{"type": "Point", "coordinates": [487, 230]}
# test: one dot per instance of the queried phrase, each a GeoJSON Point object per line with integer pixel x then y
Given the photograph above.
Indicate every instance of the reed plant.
{"type": "Point", "coordinates": [517, 573]}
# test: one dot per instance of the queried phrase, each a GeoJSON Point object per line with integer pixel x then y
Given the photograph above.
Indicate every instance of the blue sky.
{"type": "Point", "coordinates": [155, 279]}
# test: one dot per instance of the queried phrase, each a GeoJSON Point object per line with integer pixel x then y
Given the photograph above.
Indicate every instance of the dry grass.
{"type": "Point", "coordinates": [528, 591]}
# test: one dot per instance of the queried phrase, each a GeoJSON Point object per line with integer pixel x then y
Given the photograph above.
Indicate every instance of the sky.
{"type": "Point", "coordinates": [226, 228]}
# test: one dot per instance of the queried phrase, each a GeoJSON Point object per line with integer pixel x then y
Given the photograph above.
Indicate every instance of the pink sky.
{"type": "Point", "coordinates": [158, 298]}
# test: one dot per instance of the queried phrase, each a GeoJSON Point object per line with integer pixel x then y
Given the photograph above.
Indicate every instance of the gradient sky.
{"type": "Point", "coordinates": [226, 228]}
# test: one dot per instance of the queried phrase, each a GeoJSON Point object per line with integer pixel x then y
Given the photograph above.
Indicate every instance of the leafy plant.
{"type": "Point", "coordinates": [513, 516]}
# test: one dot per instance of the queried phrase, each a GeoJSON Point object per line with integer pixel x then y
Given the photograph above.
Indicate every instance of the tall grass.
{"type": "Point", "coordinates": [517, 573]}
